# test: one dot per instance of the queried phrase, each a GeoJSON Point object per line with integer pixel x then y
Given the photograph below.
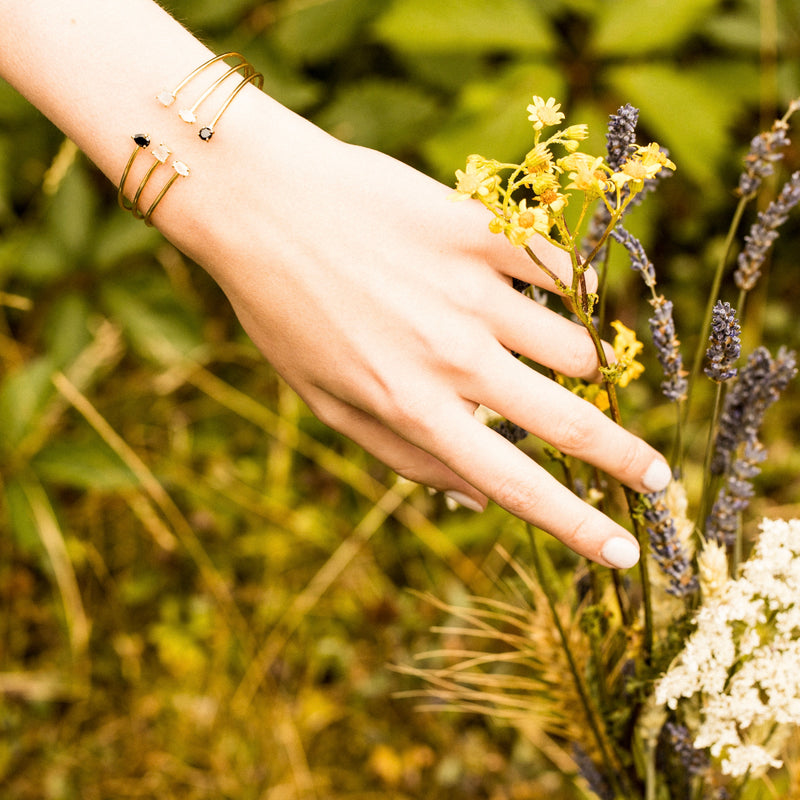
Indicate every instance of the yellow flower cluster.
{"type": "Point", "coordinates": [626, 347]}
{"type": "Point", "coordinates": [532, 198]}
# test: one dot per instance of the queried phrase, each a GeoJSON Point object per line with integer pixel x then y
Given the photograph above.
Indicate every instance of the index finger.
{"type": "Point", "coordinates": [504, 473]}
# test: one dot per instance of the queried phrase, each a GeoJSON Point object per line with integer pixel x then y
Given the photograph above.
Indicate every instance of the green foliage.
{"type": "Point", "coordinates": [242, 569]}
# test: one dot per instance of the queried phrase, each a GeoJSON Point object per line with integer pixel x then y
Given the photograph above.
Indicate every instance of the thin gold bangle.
{"type": "Point", "coordinates": [160, 155]}
{"type": "Point", "coordinates": [189, 114]}
{"type": "Point", "coordinates": [167, 98]}
{"type": "Point", "coordinates": [142, 141]}
{"type": "Point", "coordinates": [207, 131]}
{"type": "Point", "coordinates": [181, 171]}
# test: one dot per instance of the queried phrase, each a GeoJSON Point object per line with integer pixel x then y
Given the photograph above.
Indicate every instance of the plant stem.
{"type": "Point", "coordinates": [712, 299]}
{"type": "Point", "coordinates": [613, 772]}
{"type": "Point", "coordinates": [706, 475]}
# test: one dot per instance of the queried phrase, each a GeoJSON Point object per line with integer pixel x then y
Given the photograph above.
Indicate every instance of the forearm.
{"type": "Point", "coordinates": [94, 67]}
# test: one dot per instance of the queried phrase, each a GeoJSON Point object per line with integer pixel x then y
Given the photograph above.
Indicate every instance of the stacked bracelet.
{"type": "Point", "coordinates": [161, 153]}
{"type": "Point", "coordinates": [189, 115]}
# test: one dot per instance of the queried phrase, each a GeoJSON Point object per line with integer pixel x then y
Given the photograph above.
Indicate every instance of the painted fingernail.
{"type": "Point", "coordinates": [456, 499]}
{"type": "Point", "coordinates": [620, 553]}
{"type": "Point", "coordinates": [658, 476]}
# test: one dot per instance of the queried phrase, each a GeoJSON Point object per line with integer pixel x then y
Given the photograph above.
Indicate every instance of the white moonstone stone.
{"type": "Point", "coordinates": [165, 98]}
{"type": "Point", "coordinates": [161, 152]}
{"type": "Point", "coordinates": [187, 115]}
{"type": "Point", "coordinates": [181, 168]}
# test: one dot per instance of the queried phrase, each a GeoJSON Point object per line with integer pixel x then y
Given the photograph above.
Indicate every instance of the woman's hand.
{"type": "Point", "coordinates": [389, 309]}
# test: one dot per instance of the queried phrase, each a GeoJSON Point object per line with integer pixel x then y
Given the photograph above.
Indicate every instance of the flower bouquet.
{"type": "Point", "coordinates": [679, 680]}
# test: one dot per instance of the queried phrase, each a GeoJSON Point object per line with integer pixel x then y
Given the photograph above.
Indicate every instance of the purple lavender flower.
{"type": "Point", "coordinates": [764, 232]}
{"type": "Point", "coordinates": [734, 495]}
{"type": "Point", "coordinates": [621, 136]}
{"type": "Point", "coordinates": [680, 741]}
{"type": "Point", "coordinates": [760, 160]}
{"type": "Point", "coordinates": [510, 430]}
{"type": "Point", "coordinates": [667, 549]}
{"type": "Point", "coordinates": [758, 386]}
{"type": "Point", "coordinates": [724, 345]}
{"type": "Point", "coordinates": [662, 327]}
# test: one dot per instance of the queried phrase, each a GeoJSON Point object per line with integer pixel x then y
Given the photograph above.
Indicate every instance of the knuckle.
{"type": "Point", "coordinates": [629, 458]}
{"type": "Point", "coordinates": [576, 435]}
{"type": "Point", "coordinates": [516, 496]}
{"type": "Point", "coordinates": [578, 532]}
{"type": "Point", "coordinates": [580, 358]}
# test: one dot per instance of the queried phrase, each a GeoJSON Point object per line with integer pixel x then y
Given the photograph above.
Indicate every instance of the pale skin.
{"type": "Point", "coordinates": [385, 305]}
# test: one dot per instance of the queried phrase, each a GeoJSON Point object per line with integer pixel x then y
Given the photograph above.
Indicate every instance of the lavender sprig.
{"type": "Point", "coordinates": [662, 327]}
{"type": "Point", "coordinates": [759, 385]}
{"type": "Point", "coordinates": [621, 136]}
{"type": "Point", "coordinates": [763, 154]}
{"type": "Point", "coordinates": [667, 549]}
{"type": "Point", "coordinates": [722, 524]}
{"type": "Point", "coordinates": [724, 344]}
{"type": "Point", "coordinates": [763, 234]}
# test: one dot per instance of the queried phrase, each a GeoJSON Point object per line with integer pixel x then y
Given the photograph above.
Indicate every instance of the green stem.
{"type": "Point", "coordinates": [702, 340]}
{"type": "Point", "coordinates": [702, 507]}
{"type": "Point", "coordinates": [613, 772]}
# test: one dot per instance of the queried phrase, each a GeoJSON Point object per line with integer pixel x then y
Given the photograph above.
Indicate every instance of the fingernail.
{"type": "Point", "coordinates": [658, 476]}
{"type": "Point", "coordinates": [456, 499]}
{"type": "Point", "coordinates": [620, 553]}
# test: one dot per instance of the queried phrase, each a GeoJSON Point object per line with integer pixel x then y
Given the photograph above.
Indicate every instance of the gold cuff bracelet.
{"type": "Point", "coordinates": [189, 115]}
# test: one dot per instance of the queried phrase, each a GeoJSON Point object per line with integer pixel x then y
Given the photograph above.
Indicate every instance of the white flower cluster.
{"type": "Point", "coordinates": [744, 657]}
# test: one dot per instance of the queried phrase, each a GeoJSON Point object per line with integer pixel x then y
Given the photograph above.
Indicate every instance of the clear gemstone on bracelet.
{"type": "Point", "coordinates": [161, 153]}
{"type": "Point", "coordinates": [181, 168]}
{"type": "Point", "coordinates": [165, 98]}
{"type": "Point", "coordinates": [206, 133]}
{"type": "Point", "coordinates": [187, 115]}
{"type": "Point", "coordinates": [141, 139]}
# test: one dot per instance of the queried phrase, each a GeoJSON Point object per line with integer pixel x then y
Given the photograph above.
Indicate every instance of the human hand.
{"type": "Point", "coordinates": [390, 310]}
{"type": "Point", "coordinates": [387, 307]}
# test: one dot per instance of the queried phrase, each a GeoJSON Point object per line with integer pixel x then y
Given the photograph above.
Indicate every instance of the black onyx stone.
{"type": "Point", "coordinates": [142, 139]}
{"type": "Point", "coordinates": [205, 133]}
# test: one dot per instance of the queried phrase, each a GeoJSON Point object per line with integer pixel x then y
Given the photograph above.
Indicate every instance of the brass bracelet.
{"type": "Point", "coordinates": [189, 115]}
{"type": "Point", "coordinates": [161, 154]}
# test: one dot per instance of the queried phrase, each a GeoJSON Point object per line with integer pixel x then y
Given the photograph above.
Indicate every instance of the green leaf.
{"type": "Point", "coordinates": [490, 118]}
{"type": "Point", "coordinates": [282, 80]}
{"type": "Point", "coordinates": [66, 327]}
{"type": "Point", "coordinates": [632, 29]}
{"type": "Point", "coordinates": [384, 115]}
{"type": "Point", "coordinates": [311, 32]}
{"type": "Point", "coordinates": [71, 217]}
{"type": "Point", "coordinates": [23, 528]}
{"type": "Point", "coordinates": [121, 236]}
{"type": "Point", "coordinates": [24, 394]}
{"type": "Point", "coordinates": [687, 112]}
{"type": "Point", "coordinates": [87, 464]}
{"type": "Point", "coordinates": [465, 26]}
{"type": "Point", "coordinates": [158, 327]}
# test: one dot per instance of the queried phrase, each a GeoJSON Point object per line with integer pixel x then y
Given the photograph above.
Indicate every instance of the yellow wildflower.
{"type": "Point", "coordinates": [553, 199]}
{"type": "Point", "coordinates": [479, 180]}
{"type": "Point", "coordinates": [645, 163]}
{"type": "Point", "coordinates": [544, 113]}
{"type": "Point", "coordinates": [626, 348]}
{"type": "Point", "coordinates": [595, 394]}
{"type": "Point", "coordinates": [585, 173]}
{"type": "Point", "coordinates": [525, 222]}
{"type": "Point", "coordinates": [540, 160]}
{"type": "Point", "coordinates": [576, 132]}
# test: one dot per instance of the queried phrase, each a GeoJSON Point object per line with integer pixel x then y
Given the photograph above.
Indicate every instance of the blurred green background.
{"type": "Point", "coordinates": [203, 589]}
